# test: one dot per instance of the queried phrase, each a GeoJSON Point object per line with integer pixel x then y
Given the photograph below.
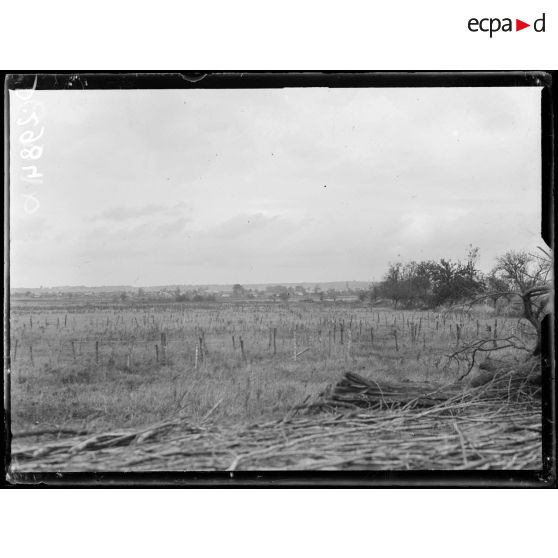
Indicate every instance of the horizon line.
{"type": "Point", "coordinates": [193, 284]}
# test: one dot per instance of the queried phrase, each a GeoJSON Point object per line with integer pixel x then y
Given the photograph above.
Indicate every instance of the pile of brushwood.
{"type": "Point", "coordinates": [499, 378]}
{"type": "Point", "coordinates": [357, 424]}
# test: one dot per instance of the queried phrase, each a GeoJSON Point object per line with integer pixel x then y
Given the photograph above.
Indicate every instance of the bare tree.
{"type": "Point", "coordinates": [527, 276]}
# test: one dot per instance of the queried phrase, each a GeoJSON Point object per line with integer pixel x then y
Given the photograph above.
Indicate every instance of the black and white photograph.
{"type": "Point", "coordinates": [264, 273]}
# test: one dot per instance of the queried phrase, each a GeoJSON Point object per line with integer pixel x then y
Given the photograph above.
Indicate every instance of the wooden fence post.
{"type": "Point", "coordinates": [204, 344]}
{"type": "Point", "coordinates": [163, 348]}
{"type": "Point", "coordinates": [242, 348]}
{"type": "Point", "coordinates": [200, 341]}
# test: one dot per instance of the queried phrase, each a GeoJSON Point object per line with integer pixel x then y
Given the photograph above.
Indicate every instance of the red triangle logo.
{"type": "Point", "coordinates": [519, 25]}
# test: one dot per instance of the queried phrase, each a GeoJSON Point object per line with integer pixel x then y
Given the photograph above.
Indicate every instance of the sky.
{"type": "Point", "coordinates": [158, 187]}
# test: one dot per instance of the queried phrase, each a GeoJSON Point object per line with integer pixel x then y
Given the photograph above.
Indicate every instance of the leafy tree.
{"type": "Point", "coordinates": [391, 286]}
{"type": "Point", "coordinates": [401, 284]}
{"type": "Point", "coordinates": [238, 290]}
{"type": "Point", "coordinates": [429, 283]}
{"type": "Point", "coordinates": [455, 281]}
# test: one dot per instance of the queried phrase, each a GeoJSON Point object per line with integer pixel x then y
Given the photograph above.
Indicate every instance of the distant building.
{"type": "Point", "coordinates": [276, 289]}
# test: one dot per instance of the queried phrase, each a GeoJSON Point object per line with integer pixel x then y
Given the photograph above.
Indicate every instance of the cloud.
{"type": "Point", "coordinates": [124, 213]}
{"type": "Point", "coordinates": [275, 185]}
{"type": "Point", "coordinates": [170, 228]}
{"type": "Point", "coordinates": [242, 225]}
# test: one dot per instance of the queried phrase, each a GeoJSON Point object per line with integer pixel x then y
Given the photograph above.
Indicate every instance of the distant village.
{"type": "Point", "coordinates": [331, 292]}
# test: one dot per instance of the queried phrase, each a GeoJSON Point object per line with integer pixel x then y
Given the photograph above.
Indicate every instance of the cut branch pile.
{"type": "Point", "coordinates": [354, 390]}
{"type": "Point", "coordinates": [405, 426]}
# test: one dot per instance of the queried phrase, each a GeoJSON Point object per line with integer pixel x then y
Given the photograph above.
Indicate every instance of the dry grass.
{"type": "Point", "coordinates": [127, 387]}
{"type": "Point", "coordinates": [230, 410]}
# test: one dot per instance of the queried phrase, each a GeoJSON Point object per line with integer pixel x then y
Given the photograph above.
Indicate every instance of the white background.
{"type": "Point", "coordinates": [291, 34]}
{"type": "Point", "coordinates": [398, 35]}
{"type": "Point", "coordinates": [278, 523]}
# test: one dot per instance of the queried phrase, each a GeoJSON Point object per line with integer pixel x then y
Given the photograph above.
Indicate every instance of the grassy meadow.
{"type": "Point", "coordinates": [108, 366]}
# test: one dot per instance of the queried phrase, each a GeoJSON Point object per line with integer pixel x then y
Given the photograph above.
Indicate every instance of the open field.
{"type": "Point", "coordinates": [104, 367]}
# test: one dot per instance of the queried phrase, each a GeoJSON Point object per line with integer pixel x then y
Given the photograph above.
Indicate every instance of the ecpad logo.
{"type": "Point", "coordinates": [494, 24]}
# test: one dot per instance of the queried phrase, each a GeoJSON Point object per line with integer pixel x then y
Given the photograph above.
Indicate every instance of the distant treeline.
{"type": "Point", "coordinates": [176, 296]}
